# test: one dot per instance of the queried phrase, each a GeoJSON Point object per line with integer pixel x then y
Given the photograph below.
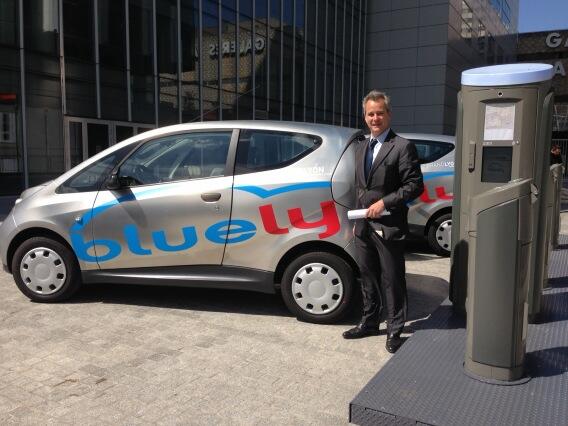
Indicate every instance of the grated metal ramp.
{"type": "Point", "coordinates": [424, 383]}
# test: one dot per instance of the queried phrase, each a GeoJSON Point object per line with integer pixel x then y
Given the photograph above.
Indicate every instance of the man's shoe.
{"type": "Point", "coordinates": [360, 331]}
{"type": "Point", "coordinates": [394, 341]}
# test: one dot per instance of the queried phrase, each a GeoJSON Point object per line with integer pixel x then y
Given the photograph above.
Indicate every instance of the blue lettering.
{"type": "Point", "coordinates": [133, 241]}
{"type": "Point", "coordinates": [224, 232]}
{"type": "Point", "coordinates": [219, 232]}
{"type": "Point", "coordinates": [81, 248]}
{"type": "Point", "coordinates": [189, 235]}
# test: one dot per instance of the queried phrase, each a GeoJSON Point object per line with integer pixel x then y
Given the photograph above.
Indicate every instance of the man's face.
{"type": "Point", "coordinates": [377, 117]}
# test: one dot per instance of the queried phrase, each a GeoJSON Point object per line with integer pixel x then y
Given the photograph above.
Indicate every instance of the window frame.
{"type": "Point", "coordinates": [417, 142]}
{"type": "Point", "coordinates": [229, 164]}
{"type": "Point", "coordinates": [126, 151]}
{"type": "Point", "coordinates": [241, 169]}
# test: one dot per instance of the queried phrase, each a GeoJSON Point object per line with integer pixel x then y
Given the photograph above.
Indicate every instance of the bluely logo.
{"type": "Point", "coordinates": [224, 232]}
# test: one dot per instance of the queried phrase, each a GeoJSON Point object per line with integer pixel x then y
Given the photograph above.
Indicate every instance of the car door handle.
{"type": "Point", "coordinates": [210, 196]}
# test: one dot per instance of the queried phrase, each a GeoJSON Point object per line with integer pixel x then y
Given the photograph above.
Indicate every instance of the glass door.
{"type": "Point", "coordinates": [85, 137]}
{"type": "Point", "coordinates": [97, 138]}
{"type": "Point", "coordinates": [76, 139]}
{"type": "Point", "coordinates": [11, 174]}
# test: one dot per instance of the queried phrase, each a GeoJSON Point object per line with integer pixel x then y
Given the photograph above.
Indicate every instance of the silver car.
{"type": "Point", "coordinates": [430, 215]}
{"type": "Point", "coordinates": [253, 205]}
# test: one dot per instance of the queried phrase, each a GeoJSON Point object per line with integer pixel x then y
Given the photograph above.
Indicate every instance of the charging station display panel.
{"type": "Point", "coordinates": [499, 122]}
{"type": "Point", "coordinates": [497, 163]}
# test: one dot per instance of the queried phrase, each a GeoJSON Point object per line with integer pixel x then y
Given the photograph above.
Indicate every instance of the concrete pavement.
{"type": "Point", "coordinates": [147, 355]}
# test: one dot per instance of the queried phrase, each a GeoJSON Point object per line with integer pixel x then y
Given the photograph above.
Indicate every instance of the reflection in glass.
{"type": "Point", "coordinates": [142, 98]}
{"type": "Point", "coordinates": [43, 91]}
{"type": "Point", "coordinates": [75, 142]}
{"type": "Point", "coordinates": [261, 58]}
{"type": "Point", "coordinates": [10, 157]}
{"type": "Point", "coordinates": [80, 71]}
{"type": "Point", "coordinates": [167, 39]}
{"type": "Point", "coordinates": [9, 22]}
{"type": "Point", "coordinates": [141, 60]}
{"type": "Point", "coordinates": [245, 51]}
{"type": "Point", "coordinates": [123, 132]}
{"type": "Point", "coordinates": [97, 138]}
{"type": "Point", "coordinates": [190, 91]}
{"type": "Point", "coordinates": [112, 58]}
{"type": "Point", "coordinates": [294, 60]}
{"type": "Point", "coordinates": [228, 56]}
{"type": "Point", "coordinates": [210, 59]}
{"type": "Point", "coordinates": [41, 25]}
{"type": "Point", "coordinates": [275, 51]}
{"type": "Point", "coordinates": [299, 65]}
{"type": "Point", "coordinates": [287, 74]}
{"type": "Point", "coordinates": [45, 139]}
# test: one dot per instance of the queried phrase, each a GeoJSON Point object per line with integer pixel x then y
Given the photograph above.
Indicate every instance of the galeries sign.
{"type": "Point", "coordinates": [229, 48]}
{"type": "Point", "coordinates": [554, 40]}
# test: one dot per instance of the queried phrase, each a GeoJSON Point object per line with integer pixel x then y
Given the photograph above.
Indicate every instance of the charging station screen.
{"type": "Point", "coordinates": [499, 122]}
{"type": "Point", "coordinates": [497, 164]}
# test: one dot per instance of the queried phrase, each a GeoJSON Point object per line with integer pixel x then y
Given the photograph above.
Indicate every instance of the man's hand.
{"type": "Point", "coordinates": [375, 210]}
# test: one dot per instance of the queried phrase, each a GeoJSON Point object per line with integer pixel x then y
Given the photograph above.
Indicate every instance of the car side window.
{"type": "Point", "coordinates": [177, 157]}
{"type": "Point", "coordinates": [429, 151]}
{"type": "Point", "coordinates": [260, 150]}
{"type": "Point", "coordinates": [92, 177]}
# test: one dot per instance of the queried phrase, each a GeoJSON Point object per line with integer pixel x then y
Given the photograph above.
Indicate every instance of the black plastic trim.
{"type": "Point", "coordinates": [204, 276]}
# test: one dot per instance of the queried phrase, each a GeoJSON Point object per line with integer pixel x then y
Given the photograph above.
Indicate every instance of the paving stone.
{"type": "Point", "coordinates": [145, 355]}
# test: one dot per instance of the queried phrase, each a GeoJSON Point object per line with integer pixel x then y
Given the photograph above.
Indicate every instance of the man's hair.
{"type": "Point", "coordinates": [376, 95]}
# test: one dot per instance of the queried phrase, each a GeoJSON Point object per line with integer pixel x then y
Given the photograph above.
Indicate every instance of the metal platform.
{"type": "Point", "coordinates": [425, 383]}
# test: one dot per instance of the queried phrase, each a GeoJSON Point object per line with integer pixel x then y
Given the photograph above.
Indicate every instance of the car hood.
{"type": "Point", "coordinates": [31, 191]}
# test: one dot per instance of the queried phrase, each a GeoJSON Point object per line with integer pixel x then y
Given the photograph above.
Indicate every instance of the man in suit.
{"type": "Point", "coordinates": [388, 176]}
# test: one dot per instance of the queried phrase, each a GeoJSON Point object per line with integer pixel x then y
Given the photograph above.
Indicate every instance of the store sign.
{"type": "Point", "coordinates": [229, 48]}
{"type": "Point", "coordinates": [554, 40]}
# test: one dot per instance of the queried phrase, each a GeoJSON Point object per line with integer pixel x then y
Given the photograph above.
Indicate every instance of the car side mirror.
{"type": "Point", "coordinates": [113, 182]}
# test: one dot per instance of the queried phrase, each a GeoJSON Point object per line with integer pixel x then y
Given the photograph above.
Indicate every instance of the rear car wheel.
{"type": "Point", "coordinates": [318, 287]}
{"type": "Point", "coordinates": [45, 270]}
{"type": "Point", "coordinates": [440, 234]}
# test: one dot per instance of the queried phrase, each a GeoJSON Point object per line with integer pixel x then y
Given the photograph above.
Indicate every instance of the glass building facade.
{"type": "Point", "coordinates": [79, 75]}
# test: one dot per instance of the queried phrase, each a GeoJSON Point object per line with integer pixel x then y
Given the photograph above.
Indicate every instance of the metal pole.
{"type": "Point", "coordinates": [23, 92]}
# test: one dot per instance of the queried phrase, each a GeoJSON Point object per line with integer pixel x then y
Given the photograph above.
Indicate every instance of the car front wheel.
{"type": "Point", "coordinates": [45, 270]}
{"type": "Point", "coordinates": [318, 287]}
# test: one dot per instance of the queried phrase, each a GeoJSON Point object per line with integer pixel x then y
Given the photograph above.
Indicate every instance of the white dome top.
{"type": "Point", "coordinates": [507, 75]}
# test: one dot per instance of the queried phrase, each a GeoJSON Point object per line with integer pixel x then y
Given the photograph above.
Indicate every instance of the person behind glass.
{"type": "Point", "coordinates": [388, 176]}
{"type": "Point", "coordinates": [555, 155]}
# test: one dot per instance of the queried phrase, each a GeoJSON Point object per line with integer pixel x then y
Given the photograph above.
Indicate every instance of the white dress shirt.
{"type": "Point", "coordinates": [380, 139]}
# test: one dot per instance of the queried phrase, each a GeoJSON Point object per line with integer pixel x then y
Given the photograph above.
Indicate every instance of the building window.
{"type": "Point", "coordinates": [560, 118]}
{"type": "Point", "coordinates": [481, 42]}
{"type": "Point", "coordinates": [9, 22]}
{"type": "Point", "coordinates": [141, 60]}
{"type": "Point", "coordinates": [7, 127]}
{"type": "Point", "coordinates": [467, 22]}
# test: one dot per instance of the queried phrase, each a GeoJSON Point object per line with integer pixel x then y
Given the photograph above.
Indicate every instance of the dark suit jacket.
{"type": "Point", "coordinates": [395, 177]}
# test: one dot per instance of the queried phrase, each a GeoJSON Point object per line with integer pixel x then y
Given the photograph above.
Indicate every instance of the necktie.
{"type": "Point", "coordinates": [369, 157]}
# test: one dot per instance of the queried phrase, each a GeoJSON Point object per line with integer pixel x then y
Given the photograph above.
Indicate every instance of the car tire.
{"type": "Point", "coordinates": [318, 287]}
{"type": "Point", "coordinates": [46, 270]}
{"type": "Point", "coordinates": [439, 234]}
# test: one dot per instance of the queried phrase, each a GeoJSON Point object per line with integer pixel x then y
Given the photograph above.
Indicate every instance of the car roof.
{"type": "Point", "coordinates": [336, 135]}
{"type": "Point", "coordinates": [324, 130]}
{"type": "Point", "coordinates": [429, 137]}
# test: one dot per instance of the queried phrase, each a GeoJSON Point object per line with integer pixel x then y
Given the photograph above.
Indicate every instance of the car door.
{"type": "Point", "coordinates": [172, 207]}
